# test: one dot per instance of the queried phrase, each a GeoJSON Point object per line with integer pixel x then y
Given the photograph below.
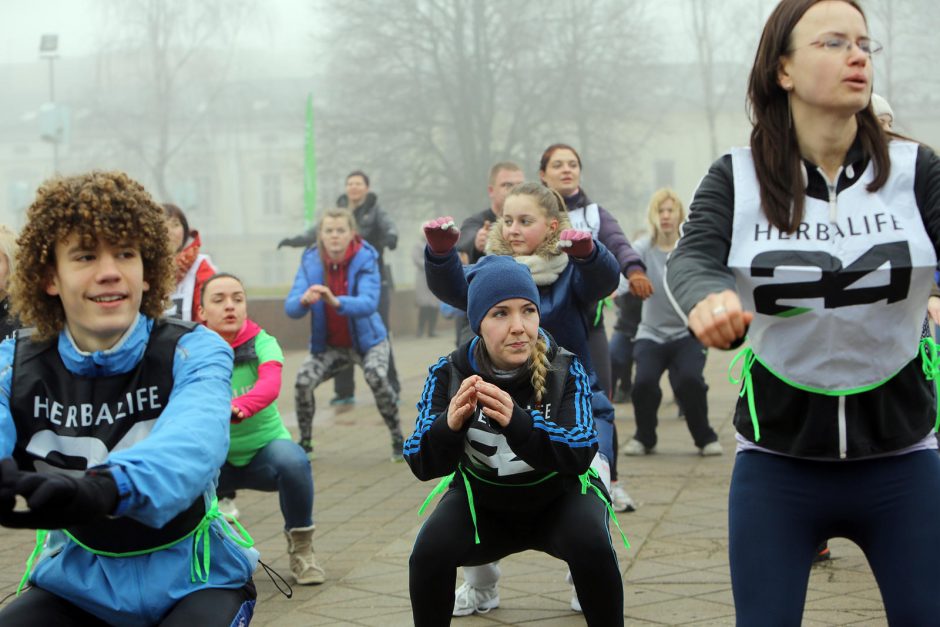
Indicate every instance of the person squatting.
{"type": "Point", "coordinates": [123, 489]}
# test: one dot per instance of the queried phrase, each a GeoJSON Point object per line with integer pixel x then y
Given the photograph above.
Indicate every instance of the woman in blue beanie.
{"type": "Point", "coordinates": [571, 271]}
{"type": "Point", "coordinates": [506, 420]}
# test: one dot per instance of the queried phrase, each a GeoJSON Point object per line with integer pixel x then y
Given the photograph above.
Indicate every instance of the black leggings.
{"type": "Point", "coordinates": [211, 607]}
{"type": "Point", "coordinates": [572, 528]}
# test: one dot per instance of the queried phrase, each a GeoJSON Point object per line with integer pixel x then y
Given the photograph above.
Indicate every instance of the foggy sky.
{"type": "Point", "coordinates": [283, 25]}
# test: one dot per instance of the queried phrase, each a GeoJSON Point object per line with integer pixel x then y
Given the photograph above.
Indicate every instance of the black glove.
{"type": "Point", "coordinates": [8, 475]}
{"type": "Point", "coordinates": [284, 242]}
{"type": "Point", "coordinates": [58, 501]}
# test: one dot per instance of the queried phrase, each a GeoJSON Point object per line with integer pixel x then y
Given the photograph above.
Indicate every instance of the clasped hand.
{"type": "Point", "coordinates": [318, 292]}
{"type": "Point", "coordinates": [474, 392]}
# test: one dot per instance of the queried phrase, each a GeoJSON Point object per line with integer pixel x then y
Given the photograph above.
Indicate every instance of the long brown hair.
{"type": "Point", "coordinates": [773, 143]}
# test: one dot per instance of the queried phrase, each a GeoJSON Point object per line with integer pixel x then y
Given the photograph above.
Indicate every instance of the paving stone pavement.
{"type": "Point", "coordinates": [675, 573]}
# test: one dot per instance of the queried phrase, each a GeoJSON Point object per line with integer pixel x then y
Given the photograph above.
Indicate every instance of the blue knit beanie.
{"type": "Point", "coordinates": [493, 279]}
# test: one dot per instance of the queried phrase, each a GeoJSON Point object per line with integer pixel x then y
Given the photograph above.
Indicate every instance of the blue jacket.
{"type": "Point", "coordinates": [360, 305]}
{"type": "Point", "coordinates": [158, 477]}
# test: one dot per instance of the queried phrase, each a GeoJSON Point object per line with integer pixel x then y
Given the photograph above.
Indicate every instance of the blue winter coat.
{"type": "Point", "coordinates": [158, 478]}
{"type": "Point", "coordinates": [360, 305]}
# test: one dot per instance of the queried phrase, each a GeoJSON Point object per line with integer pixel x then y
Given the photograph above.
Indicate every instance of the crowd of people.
{"type": "Point", "coordinates": [137, 395]}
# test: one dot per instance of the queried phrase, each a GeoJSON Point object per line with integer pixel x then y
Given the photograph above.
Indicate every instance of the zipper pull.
{"type": "Point", "coordinates": [833, 205]}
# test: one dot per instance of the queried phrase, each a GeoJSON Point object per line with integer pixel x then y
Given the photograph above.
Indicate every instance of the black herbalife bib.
{"type": "Point", "coordinates": [70, 422]}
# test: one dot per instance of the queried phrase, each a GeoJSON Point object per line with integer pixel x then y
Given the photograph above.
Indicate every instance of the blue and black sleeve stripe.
{"type": "Point", "coordinates": [426, 415]}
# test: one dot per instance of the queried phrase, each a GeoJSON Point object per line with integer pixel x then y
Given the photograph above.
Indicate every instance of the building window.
{"type": "Point", "coordinates": [271, 194]}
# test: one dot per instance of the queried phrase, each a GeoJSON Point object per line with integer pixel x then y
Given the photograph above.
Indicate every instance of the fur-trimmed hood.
{"type": "Point", "coordinates": [546, 263]}
{"type": "Point", "coordinates": [496, 245]}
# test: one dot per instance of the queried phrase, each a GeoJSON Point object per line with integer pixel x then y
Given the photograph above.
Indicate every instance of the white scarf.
{"type": "Point", "coordinates": [545, 270]}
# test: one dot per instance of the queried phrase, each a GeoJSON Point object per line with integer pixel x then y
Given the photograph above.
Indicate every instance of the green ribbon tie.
{"type": "Point", "coordinates": [441, 486]}
{"type": "Point", "coordinates": [202, 534]}
{"type": "Point", "coordinates": [747, 389]}
{"type": "Point", "coordinates": [604, 302]}
{"type": "Point", "coordinates": [40, 541]}
{"type": "Point", "coordinates": [930, 362]}
{"type": "Point", "coordinates": [587, 484]}
{"type": "Point", "coordinates": [438, 489]}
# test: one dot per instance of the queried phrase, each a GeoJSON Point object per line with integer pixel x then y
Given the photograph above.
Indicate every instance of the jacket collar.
{"type": "Point", "coordinates": [118, 359]}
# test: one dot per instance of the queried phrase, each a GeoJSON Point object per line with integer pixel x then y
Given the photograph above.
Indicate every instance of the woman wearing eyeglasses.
{"type": "Point", "coordinates": [818, 243]}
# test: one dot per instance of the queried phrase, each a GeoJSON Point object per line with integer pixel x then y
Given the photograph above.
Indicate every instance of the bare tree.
{"type": "Point", "coordinates": [723, 35]}
{"type": "Point", "coordinates": [161, 68]}
{"type": "Point", "coordinates": [907, 29]}
{"type": "Point", "coordinates": [437, 90]}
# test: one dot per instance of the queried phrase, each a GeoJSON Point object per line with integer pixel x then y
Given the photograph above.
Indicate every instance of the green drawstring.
{"type": "Point", "coordinates": [441, 486]}
{"type": "Point", "coordinates": [201, 533]}
{"type": "Point", "coordinates": [40, 541]}
{"type": "Point", "coordinates": [604, 302]}
{"type": "Point", "coordinates": [586, 483]}
{"type": "Point", "coordinates": [473, 510]}
{"type": "Point", "coordinates": [930, 362]}
{"type": "Point", "coordinates": [748, 388]}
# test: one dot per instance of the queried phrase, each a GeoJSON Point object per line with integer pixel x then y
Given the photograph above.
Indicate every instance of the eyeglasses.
{"type": "Point", "coordinates": [841, 43]}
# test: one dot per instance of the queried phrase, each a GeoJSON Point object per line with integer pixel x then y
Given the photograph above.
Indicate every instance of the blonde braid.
{"type": "Point", "coordinates": [539, 367]}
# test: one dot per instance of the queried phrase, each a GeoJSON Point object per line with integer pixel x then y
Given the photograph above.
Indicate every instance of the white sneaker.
{"type": "Point", "coordinates": [712, 449]}
{"type": "Point", "coordinates": [228, 508]}
{"type": "Point", "coordinates": [468, 600]}
{"type": "Point", "coordinates": [575, 603]}
{"type": "Point", "coordinates": [620, 499]}
{"type": "Point", "coordinates": [635, 448]}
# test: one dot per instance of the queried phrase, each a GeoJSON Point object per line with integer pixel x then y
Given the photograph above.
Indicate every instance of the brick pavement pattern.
{"type": "Point", "coordinates": [676, 572]}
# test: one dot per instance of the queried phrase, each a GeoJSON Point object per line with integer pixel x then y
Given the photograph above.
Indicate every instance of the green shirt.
{"type": "Point", "coordinates": [252, 434]}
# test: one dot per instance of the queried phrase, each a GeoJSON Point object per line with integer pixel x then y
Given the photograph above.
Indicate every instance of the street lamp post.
{"type": "Point", "coordinates": [48, 47]}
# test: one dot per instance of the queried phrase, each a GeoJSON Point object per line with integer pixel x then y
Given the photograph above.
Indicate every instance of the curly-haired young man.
{"type": "Point", "coordinates": [113, 423]}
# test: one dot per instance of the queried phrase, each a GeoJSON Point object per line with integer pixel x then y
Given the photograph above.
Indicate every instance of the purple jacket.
{"type": "Point", "coordinates": [609, 234]}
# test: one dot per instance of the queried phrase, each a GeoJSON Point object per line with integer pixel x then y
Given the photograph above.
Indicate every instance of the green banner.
{"type": "Point", "coordinates": [310, 168]}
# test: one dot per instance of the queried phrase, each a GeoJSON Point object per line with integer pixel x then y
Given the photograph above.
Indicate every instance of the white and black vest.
{"type": "Point", "coordinates": [68, 423]}
{"type": "Point", "coordinates": [181, 300]}
{"type": "Point", "coordinates": [811, 290]}
{"type": "Point", "coordinates": [586, 219]}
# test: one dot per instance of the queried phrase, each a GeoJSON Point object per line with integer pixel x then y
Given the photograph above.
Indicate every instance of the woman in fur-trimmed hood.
{"type": "Point", "coordinates": [546, 262]}
{"type": "Point", "coordinates": [570, 273]}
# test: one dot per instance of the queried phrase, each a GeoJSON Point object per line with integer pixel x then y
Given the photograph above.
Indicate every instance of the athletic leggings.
{"type": "Point", "coordinates": [211, 607]}
{"type": "Point", "coordinates": [319, 367]}
{"type": "Point", "coordinates": [781, 508]}
{"type": "Point", "coordinates": [572, 528]}
{"type": "Point", "coordinates": [344, 385]}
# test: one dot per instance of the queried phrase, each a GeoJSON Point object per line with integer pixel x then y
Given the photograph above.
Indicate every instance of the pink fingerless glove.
{"type": "Point", "coordinates": [442, 234]}
{"type": "Point", "coordinates": [576, 243]}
